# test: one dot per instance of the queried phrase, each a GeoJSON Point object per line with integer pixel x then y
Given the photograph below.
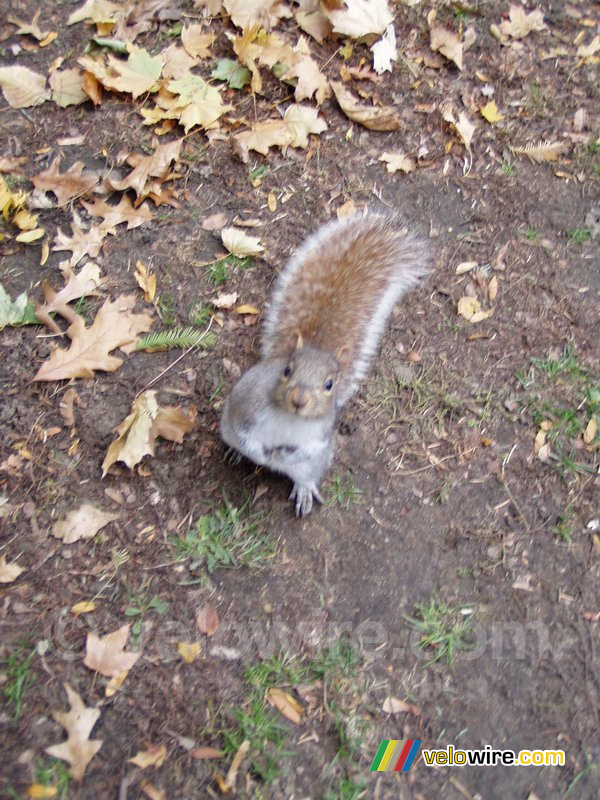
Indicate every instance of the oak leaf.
{"type": "Point", "coordinates": [79, 749]}
{"type": "Point", "coordinates": [124, 211]}
{"type": "Point", "coordinates": [156, 165]}
{"type": "Point", "coordinates": [84, 284]}
{"type": "Point", "coordinates": [81, 243]}
{"type": "Point", "coordinates": [75, 182]}
{"type": "Point", "coordinates": [82, 523]}
{"type": "Point", "coordinates": [114, 326]}
{"type": "Point", "coordinates": [106, 654]}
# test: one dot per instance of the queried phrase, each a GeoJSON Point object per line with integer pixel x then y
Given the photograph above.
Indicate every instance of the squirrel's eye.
{"type": "Point", "coordinates": [328, 385]}
{"type": "Point", "coordinates": [287, 372]}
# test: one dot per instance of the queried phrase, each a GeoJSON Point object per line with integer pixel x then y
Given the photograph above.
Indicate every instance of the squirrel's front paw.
{"type": "Point", "coordinates": [232, 456]}
{"type": "Point", "coordinates": [302, 497]}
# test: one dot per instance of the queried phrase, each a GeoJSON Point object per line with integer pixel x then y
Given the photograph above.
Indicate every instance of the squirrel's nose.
{"type": "Point", "coordinates": [299, 397]}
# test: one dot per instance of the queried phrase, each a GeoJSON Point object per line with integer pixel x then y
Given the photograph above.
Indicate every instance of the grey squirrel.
{"type": "Point", "coordinates": [329, 310]}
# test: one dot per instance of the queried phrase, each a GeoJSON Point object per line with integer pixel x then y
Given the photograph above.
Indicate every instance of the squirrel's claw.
{"type": "Point", "coordinates": [232, 456]}
{"type": "Point", "coordinates": [302, 497]}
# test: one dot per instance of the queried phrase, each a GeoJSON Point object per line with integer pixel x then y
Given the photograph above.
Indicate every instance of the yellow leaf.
{"type": "Point", "coordinates": [85, 607]}
{"type": "Point", "coordinates": [22, 87]}
{"type": "Point", "coordinates": [491, 113]}
{"type": "Point", "coordinates": [271, 202]}
{"type": "Point", "coordinates": [30, 236]}
{"type": "Point", "coordinates": [152, 757]}
{"type": "Point", "coordinates": [591, 430]}
{"type": "Point", "coordinates": [285, 704]}
{"type": "Point", "coordinates": [246, 309]}
{"type": "Point", "coordinates": [25, 221]}
{"type": "Point", "coordinates": [146, 281]}
{"type": "Point", "coordinates": [468, 306]}
{"type": "Point", "coordinates": [189, 651]}
{"type": "Point", "coordinates": [493, 288]}
{"type": "Point", "coordinates": [40, 792]}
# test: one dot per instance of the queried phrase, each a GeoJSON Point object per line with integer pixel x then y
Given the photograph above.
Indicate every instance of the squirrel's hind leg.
{"type": "Point", "coordinates": [302, 497]}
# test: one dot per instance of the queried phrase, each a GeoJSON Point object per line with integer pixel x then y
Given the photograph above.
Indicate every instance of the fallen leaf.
{"type": "Point", "coordinates": [114, 326]}
{"type": "Point", "coordinates": [207, 619]}
{"type": "Point", "coordinates": [97, 11]}
{"type": "Point", "coordinates": [263, 13]}
{"type": "Point", "coordinates": [81, 242]}
{"type": "Point", "coordinates": [29, 28]}
{"type": "Point", "coordinates": [138, 432]}
{"type": "Point", "coordinates": [376, 118]}
{"type": "Point", "coordinates": [236, 74]}
{"type": "Point", "coordinates": [136, 75]}
{"type": "Point", "coordinates": [309, 78]}
{"type": "Point", "coordinates": [146, 281]}
{"type": "Point", "coordinates": [385, 52]}
{"type": "Point", "coordinates": [38, 791]}
{"type": "Point", "coordinates": [23, 88]}
{"type": "Point", "coordinates": [9, 572]}
{"type": "Point", "coordinates": [447, 43]}
{"type": "Point", "coordinates": [247, 309]}
{"type": "Point", "coordinates": [67, 87]}
{"type": "Point", "coordinates": [156, 165]}
{"type": "Point", "coordinates": [293, 130]}
{"type": "Point", "coordinates": [83, 523]}
{"type": "Point", "coordinates": [196, 41]}
{"type": "Point", "coordinates": [398, 161]}
{"type": "Point", "coordinates": [285, 704]}
{"type": "Point", "coordinates": [189, 651]}
{"type": "Point", "coordinates": [152, 757]}
{"type": "Point", "coordinates": [79, 749]}
{"type": "Point", "coordinates": [490, 112]}
{"type": "Point", "coordinates": [204, 753]}
{"type": "Point", "coordinates": [590, 431]}
{"type": "Point", "coordinates": [107, 655]}
{"type": "Point", "coordinates": [461, 124]}
{"type": "Point", "coordinates": [520, 23]}
{"type": "Point", "coordinates": [84, 607]}
{"type": "Point", "coordinates": [114, 215]}
{"type": "Point", "coordinates": [83, 284]}
{"type": "Point", "coordinates": [239, 243]}
{"type": "Point", "coordinates": [75, 182]}
{"type": "Point", "coordinates": [358, 18]}
{"type": "Point", "coordinates": [151, 791]}
{"type": "Point", "coordinates": [12, 312]}
{"type": "Point", "coordinates": [236, 763]}
{"type": "Point", "coordinates": [393, 705]}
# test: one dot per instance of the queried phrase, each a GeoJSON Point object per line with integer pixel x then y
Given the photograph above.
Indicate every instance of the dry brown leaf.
{"type": "Point", "coordinates": [239, 243]}
{"type": "Point", "coordinates": [398, 161]}
{"type": "Point", "coordinates": [313, 21]}
{"type": "Point", "coordinates": [9, 572]}
{"type": "Point", "coordinates": [293, 131]}
{"type": "Point", "coordinates": [285, 704]}
{"type": "Point", "coordinates": [393, 705]}
{"type": "Point", "coordinates": [137, 75]}
{"type": "Point", "coordinates": [29, 28]}
{"type": "Point", "coordinates": [81, 243]}
{"type": "Point", "coordinates": [590, 431]}
{"type": "Point", "coordinates": [151, 791]}
{"type": "Point", "coordinates": [66, 406]}
{"type": "Point", "coordinates": [461, 124]}
{"type": "Point", "coordinates": [447, 43]}
{"type": "Point", "coordinates": [234, 768]}
{"type": "Point", "coordinates": [196, 41]}
{"type": "Point", "coordinates": [152, 757]}
{"type": "Point", "coordinates": [358, 18]}
{"type": "Point", "coordinates": [138, 432]}
{"type": "Point", "coordinates": [207, 619]}
{"type": "Point", "coordinates": [204, 753]}
{"type": "Point", "coordinates": [67, 87]}
{"type": "Point", "coordinates": [146, 281]}
{"type": "Point", "coordinates": [114, 326]}
{"type": "Point", "coordinates": [79, 749]}
{"type": "Point", "coordinates": [107, 655]}
{"type": "Point", "coordinates": [520, 23]}
{"type": "Point", "coordinates": [376, 118]}
{"type": "Point", "coordinates": [262, 13]}
{"type": "Point", "coordinates": [100, 12]}
{"type": "Point", "coordinates": [23, 88]}
{"type": "Point", "coordinates": [310, 79]}
{"type": "Point", "coordinates": [75, 182]}
{"type": "Point", "coordinates": [156, 165]}
{"type": "Point", "coordinates": [83, 523]}
{"type": "Point", "coordinates": [114, 215]}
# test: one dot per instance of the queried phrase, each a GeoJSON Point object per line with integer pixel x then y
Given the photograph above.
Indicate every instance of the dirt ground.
{"type": "Point", "coordinates": [441, 505]}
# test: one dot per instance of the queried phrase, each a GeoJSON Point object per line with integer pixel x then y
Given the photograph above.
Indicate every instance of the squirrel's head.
{"type": "Point", "coordinates": [308, 382]}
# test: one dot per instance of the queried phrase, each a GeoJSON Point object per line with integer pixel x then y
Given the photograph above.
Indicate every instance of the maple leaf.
{"type": "Point", "coordinates": [79, 749]}
{"type": "Point", "coordinates": [75, 182]}
{"type": "Point", "coordinates": [137, 75]}
{"type": "Point", "coordinates": [376, 118]}
{"type": "Point", "coordinates": [398, 161]}
{"type": "Point", "coordinates": [520, 23]}
{"type": "Point", "coordinates": [359, 17]}
{"type": "Point", "coordinates": [84, 284]}
{"type": "Point", "coordinates": [156, 165]}
{"type": "Point", "coordinates": [196, 41]}
{"type": "Point", "coordinates": [239, 243]}
{"type": "Point", "coordinates": [81, 243]}
{"type": "Point", "coordinates": [138, 432]}
{"type": "Point", "coordinates": [384, 51]}
{"type": "Point", "coordinates": [22, 87]}
{"type": "Point", "coordinates": [236, 74]}
{"type": "Point", "coordinates": [313, 21]}
{"type": "Point", "coordinates": [114, 326]}
{"type": "Point", "coordinates": [97, 11]}
{"type": "Point", "coordinates": [106, 654]}
{"type": "Point", "coordinates": [82, 523]}
{"type": "Point", "coordinates": [310, 79]}
{"type": "Point", "coordinates": [177, 62]}
{"type": "Point", "coordinates": [263, 13]}
{"type": "Point", "coordinates": [447, 43]}
{"type": "Point", "coordinates": [67, 87]}
{"type": "Point", "coordinates": [199, 103]}
{"type": "Point", "coordinates": [9, 572]}
{"type": "Point", "coordinates": [293, 130]}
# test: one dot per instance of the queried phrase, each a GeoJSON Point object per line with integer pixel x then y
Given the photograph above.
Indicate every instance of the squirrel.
{"type": "Point", "coordinates": [328, 313]}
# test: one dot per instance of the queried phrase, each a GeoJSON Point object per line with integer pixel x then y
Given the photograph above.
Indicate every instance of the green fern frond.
{"type": "Point", "coordinates": [176, 337]}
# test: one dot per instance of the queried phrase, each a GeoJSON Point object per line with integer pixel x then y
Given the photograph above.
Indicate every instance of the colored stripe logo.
{"type": "Point", "coordinates": [395, 755]}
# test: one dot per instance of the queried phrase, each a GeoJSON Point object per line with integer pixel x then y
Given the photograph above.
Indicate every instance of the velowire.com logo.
{"type": "Point", "coordinates": [395, 755]}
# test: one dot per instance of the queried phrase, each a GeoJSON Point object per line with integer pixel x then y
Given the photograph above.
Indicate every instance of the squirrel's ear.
{"type": "Point", "coordinates": [299, 341]}
{"type": "Point", "coordinates": [343, 356]}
